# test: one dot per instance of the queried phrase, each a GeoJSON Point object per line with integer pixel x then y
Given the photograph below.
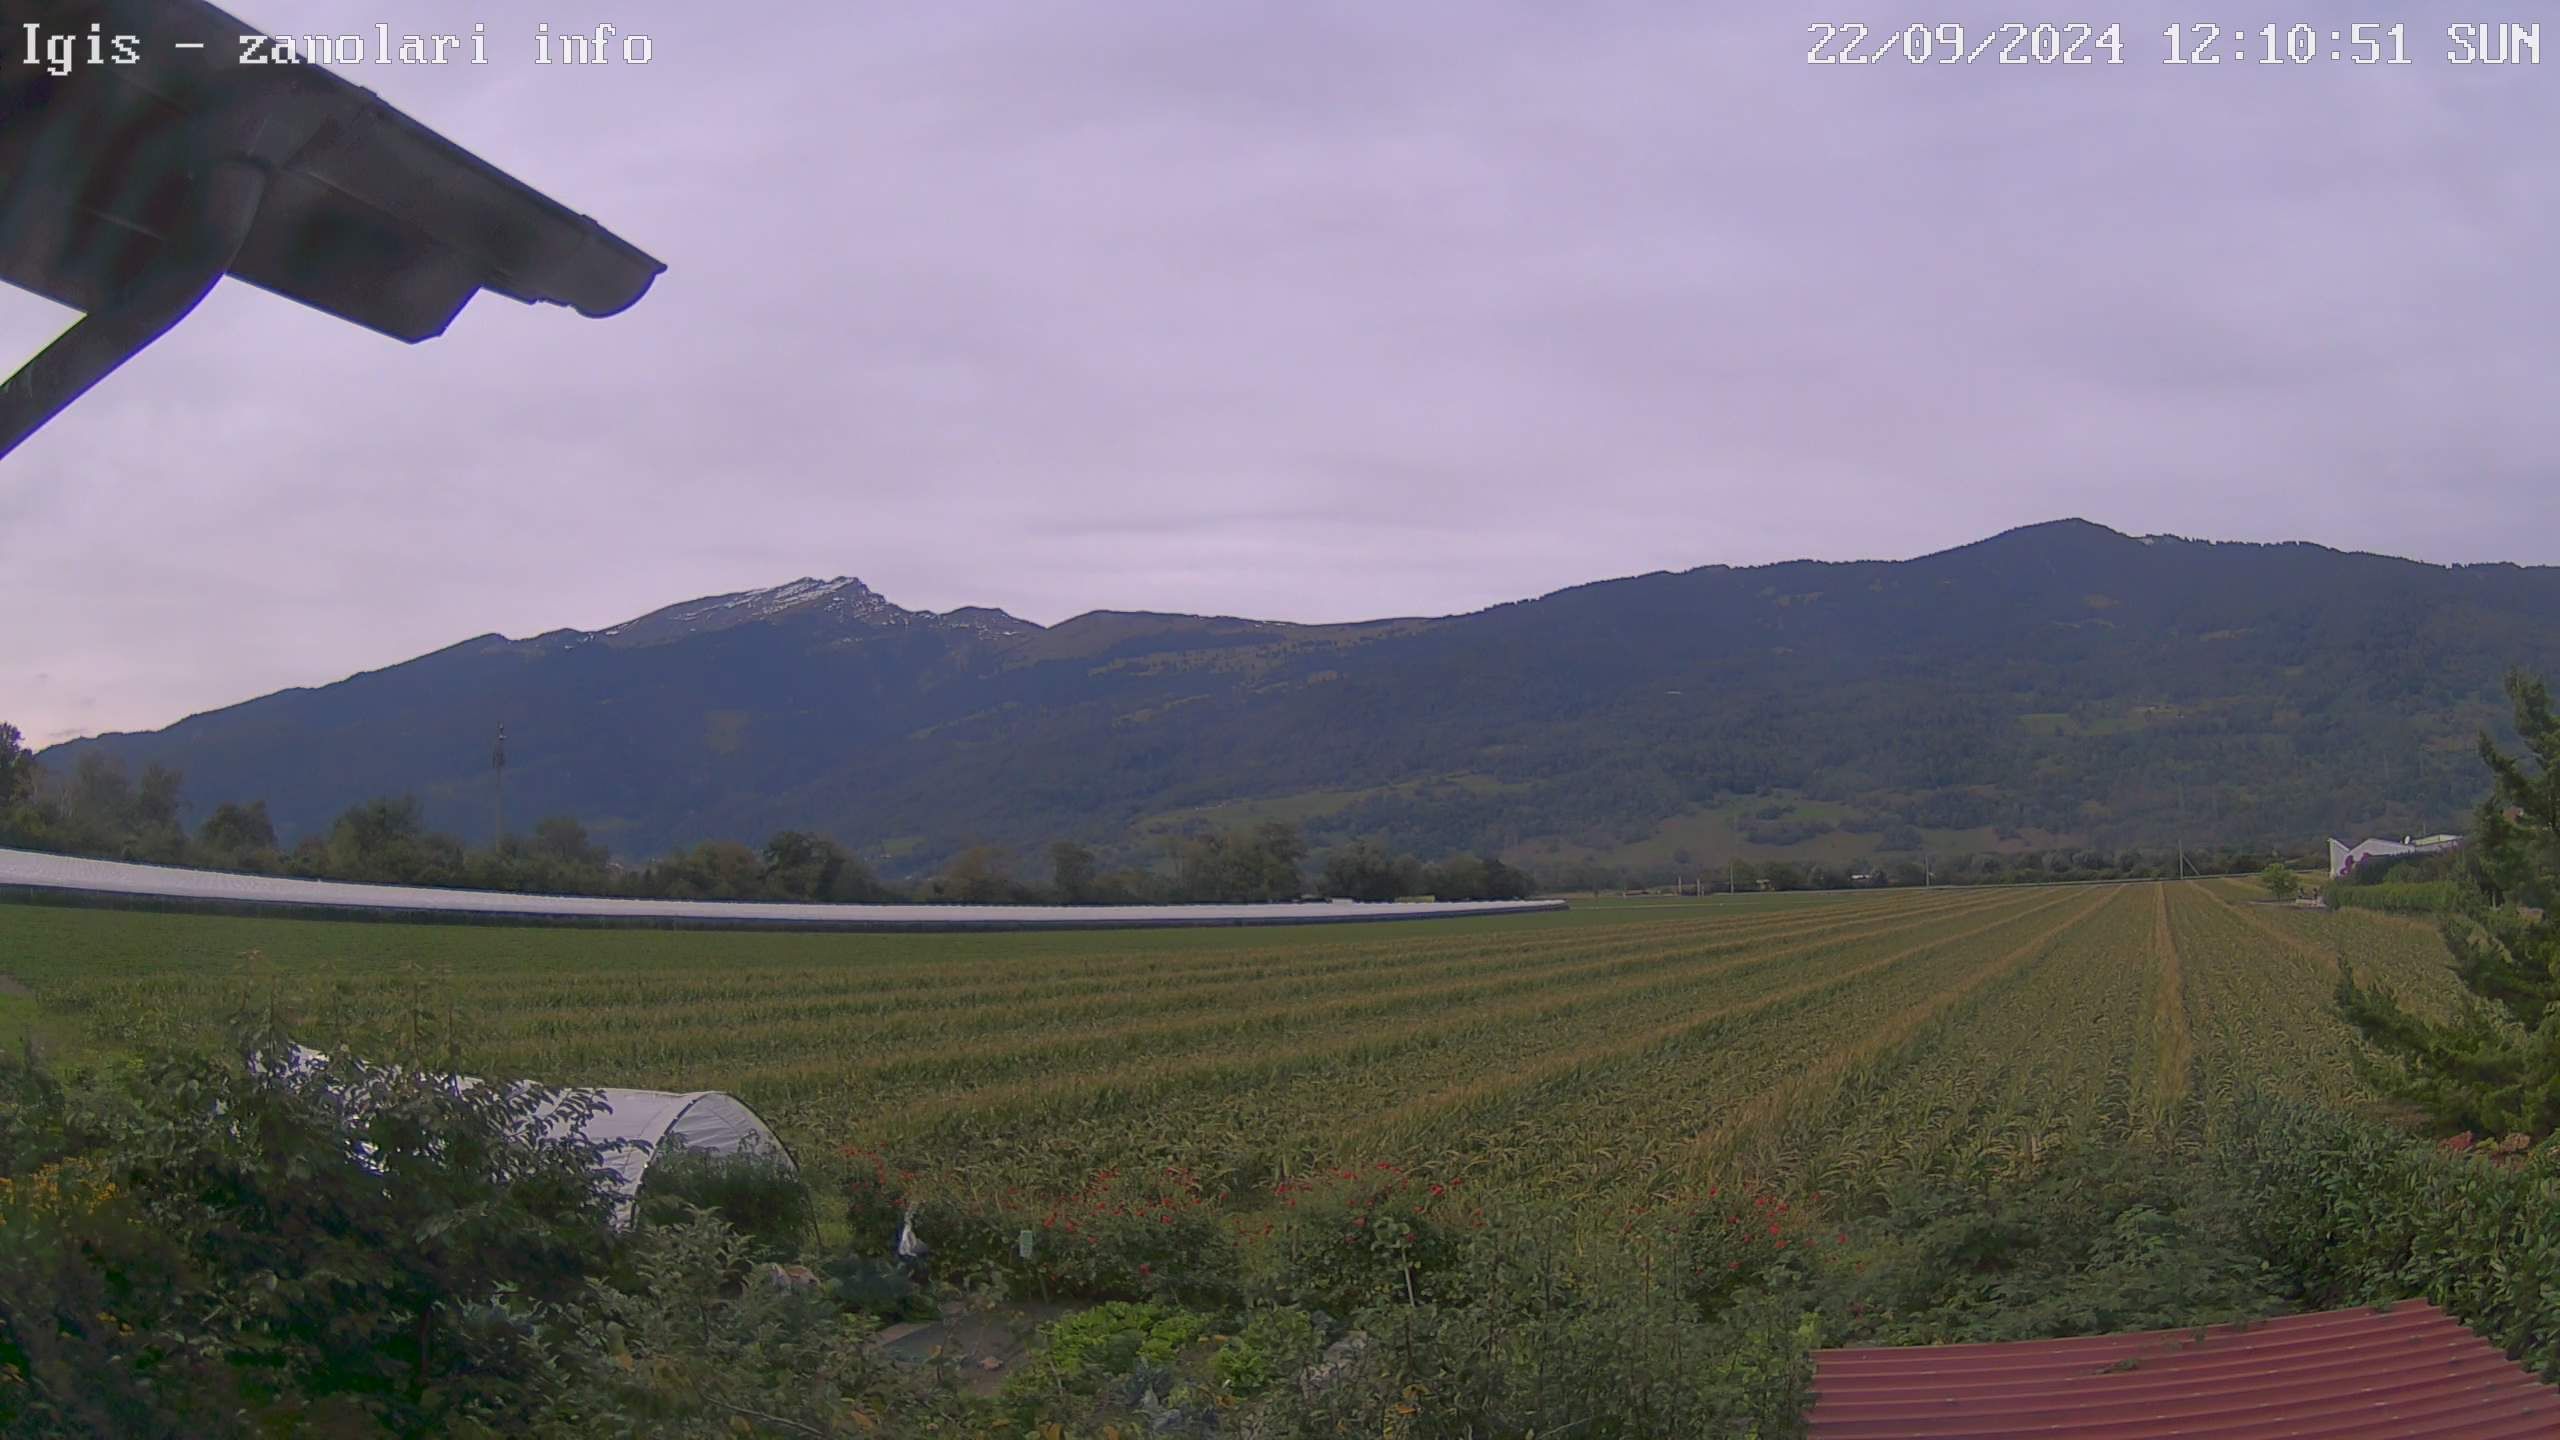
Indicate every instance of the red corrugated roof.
{"type": "Point", "coordinates": [2409, 1372]}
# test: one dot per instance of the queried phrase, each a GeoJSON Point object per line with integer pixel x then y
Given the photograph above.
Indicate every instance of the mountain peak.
{"type": "Point", "coordinates": [992, 623]}
{"type": "Point", "coordinates": [843, 598]}
{"type": "Point", "coordinates": [2048, 542]}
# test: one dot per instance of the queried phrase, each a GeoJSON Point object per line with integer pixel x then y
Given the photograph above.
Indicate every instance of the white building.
{"type": "Point", "coordinates": [2343, 858]}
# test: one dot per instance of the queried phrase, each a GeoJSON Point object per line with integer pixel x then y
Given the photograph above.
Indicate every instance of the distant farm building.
{"type": "Point", "coordinates": [2343, 858]}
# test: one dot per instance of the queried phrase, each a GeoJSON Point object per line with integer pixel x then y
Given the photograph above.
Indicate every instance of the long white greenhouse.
{"type": "Point", "coordinates": [29, 873]}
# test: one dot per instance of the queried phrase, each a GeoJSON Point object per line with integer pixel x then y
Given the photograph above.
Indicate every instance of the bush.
{"type": "Point", "coordinates": [1608, 1358]}
{"type": "Point", "coordinates": [2431, 897]}
{"type": "Point", "coordinates": [2087, 1244]}
{"type": "Point", "coordinates": [300, 1244]}
{"type": "Point", "coordinates": [692, 1338]}
{"type": "Point", "coordinates": [871, 1285]}
{"type": "Point", "coordinates": [759, 1196]}
{"type": "Point", "coordinates": [1733, 1243]}
{"type": "Point", "coordinates": [875, 1199]}
{"type": "Point", "coordinates": [1120, 1237]}
{"type": "Point", "coordinates": [1274, 1345]}
{"type": "Point", "coordinates": [91, 1337]}
{"type": "Point", "coordinates": [1351, 1238]}
{"type": "Point", "coordinates": [1113, 1338]}
{"type": "Point", "coordinates": [231, 1247]}
{"type": "Point", "coordinates": [2358, 1214]}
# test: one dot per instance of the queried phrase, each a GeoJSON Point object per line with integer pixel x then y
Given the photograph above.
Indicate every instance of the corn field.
{"type": "Point", "coordinates": [1615, 1052]}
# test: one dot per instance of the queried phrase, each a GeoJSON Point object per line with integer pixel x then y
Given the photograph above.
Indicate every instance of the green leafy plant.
{"type": "Point", "coordinates": [1273, 1346]}
{"type": "Point", "coordinates": [760, 1196]}
{"type": "Point", "coordinates": [2356, 1213]}
{"type": "Point", "coordinates": [1357, 1237]}
{"type": "Point", "coordinates": [2495, 1065]}
{"type": "Point", "coordinates": [1112, 1338]}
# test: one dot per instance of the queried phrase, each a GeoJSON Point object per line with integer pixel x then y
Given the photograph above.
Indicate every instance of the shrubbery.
{"type": "Point", "coordinates": [209, 1246]}
{"type": "Point", "coordinates": [1353, 1238]}
{"type": "Point", "coordinates": [2357, 1213]}
{"type": "Point", "coordinates": [759, 1196]}
{"type": "Point", "coordinates": [1119, 1236]}
{"type": "Point", "coordinates": [2428, 897]}
{"type": "Point", "coordinates": [193, 1246]}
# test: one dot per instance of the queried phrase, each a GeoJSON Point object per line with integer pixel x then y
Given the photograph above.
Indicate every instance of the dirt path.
{"type": "Point", "coordinates": [12, 985]}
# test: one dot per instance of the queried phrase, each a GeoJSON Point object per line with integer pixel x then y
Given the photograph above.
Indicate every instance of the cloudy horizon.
{"type": "Point", "coordinates": [1317, 315]}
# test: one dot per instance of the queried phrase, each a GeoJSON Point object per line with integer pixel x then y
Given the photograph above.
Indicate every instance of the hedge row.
{"type": "Point", "coordinates": [2357, 1214]}
{"type": "Point", "coordinates": [2427, 897]}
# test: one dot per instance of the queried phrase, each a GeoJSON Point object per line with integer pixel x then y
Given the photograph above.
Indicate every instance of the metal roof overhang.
{"type": "Point", "coordinates": [127, 190]}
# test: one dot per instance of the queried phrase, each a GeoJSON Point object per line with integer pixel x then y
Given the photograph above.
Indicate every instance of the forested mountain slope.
{"type": "Point", "coordinates": [2058, 684]}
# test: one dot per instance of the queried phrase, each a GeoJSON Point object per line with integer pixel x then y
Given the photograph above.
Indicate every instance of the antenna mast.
{"type": "Point", "coordinates": [498, 782]}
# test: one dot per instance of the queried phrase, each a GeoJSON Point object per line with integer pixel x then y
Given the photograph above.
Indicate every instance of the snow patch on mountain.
{"type": "Point", "coordinates": [843, 599]}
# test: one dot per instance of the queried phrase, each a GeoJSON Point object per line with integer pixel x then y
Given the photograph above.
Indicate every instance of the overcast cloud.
{"type": "Point", "coordinates": [1312, 311]}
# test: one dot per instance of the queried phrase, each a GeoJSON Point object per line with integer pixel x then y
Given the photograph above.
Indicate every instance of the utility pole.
{"type": "Point", "coordinates": [2181, 872]}
{"type": "Point", "coordinates": [498, 784]}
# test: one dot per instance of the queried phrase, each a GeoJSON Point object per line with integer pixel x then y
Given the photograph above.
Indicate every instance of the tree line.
{"type": "Point", "coordinates": [99, 810]}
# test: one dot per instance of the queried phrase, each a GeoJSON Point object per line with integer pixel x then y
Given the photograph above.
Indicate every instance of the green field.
{"type": "Point", "coordinates": [1808, 1041]}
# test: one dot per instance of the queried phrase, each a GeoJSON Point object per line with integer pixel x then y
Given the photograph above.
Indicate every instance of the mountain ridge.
{"type": "Point", "coordinates": [2060, 682]}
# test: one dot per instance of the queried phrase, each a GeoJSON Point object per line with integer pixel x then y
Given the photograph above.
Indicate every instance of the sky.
{"type": "Point", "coordinates": [1317, 311]}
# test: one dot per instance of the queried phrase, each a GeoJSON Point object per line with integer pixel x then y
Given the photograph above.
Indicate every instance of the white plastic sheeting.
{"type": "Point", "coordinates": [639, 1126]}
{"type": "Point", "coordinates": [27, 870]}
{"type": "Point", "coordinates": [635, 1128]}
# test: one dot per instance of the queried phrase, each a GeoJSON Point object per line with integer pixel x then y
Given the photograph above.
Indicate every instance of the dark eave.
{"type": "Point", "coordinates": [368, 215]}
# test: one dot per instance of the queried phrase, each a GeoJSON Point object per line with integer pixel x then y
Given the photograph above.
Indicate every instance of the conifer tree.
{"type": "Point", "coordinates": [2495, 1067]}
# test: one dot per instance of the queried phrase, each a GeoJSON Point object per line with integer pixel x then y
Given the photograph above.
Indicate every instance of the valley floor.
{"type": "Point", "coordinates": [1812, 1040]}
